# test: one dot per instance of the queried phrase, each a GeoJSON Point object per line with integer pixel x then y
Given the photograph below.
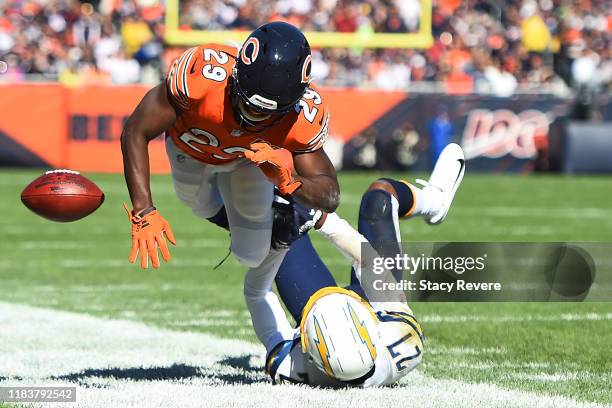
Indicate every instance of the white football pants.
{"type": "Point", "coordinates": [268, 316]}
{"type": "Point", "coordinates": [247, 196]}
{"type": "Point", "coordinates": [241, 187]}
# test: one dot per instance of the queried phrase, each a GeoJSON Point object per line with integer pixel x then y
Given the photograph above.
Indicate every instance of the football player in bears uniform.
{"type": "Point", "coordinates": [231, 118]}
{"type": "Point", "coordinates": [237, 123]}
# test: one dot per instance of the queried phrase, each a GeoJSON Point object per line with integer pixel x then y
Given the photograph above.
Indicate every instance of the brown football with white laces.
{"type": "Point", "coordinates": [62, 195]}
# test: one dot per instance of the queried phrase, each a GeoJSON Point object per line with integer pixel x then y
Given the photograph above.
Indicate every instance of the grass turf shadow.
{"type": "Point", "coordinates": [247, 374]}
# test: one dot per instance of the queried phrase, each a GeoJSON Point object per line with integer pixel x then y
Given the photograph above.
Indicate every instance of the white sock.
{"type": "Point", "coordinates": [426, 200]}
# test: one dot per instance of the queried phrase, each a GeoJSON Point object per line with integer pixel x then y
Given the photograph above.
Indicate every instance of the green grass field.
{"type": "Point", "coordinates": [547, 348]}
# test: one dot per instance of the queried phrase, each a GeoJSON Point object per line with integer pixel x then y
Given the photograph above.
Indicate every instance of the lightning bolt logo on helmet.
{"type": "Point", "coordinates": [338, 330]}
{"type": "Point", "coordinates": [362, 331]}
{"type": "Point", "coordinates": [322, 348]}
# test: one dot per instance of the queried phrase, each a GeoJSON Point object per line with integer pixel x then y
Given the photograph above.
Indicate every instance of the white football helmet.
{"type": "Point", "coordinates": [339, 331]}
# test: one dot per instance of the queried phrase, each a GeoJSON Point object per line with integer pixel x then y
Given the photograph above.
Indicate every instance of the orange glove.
{"type": "Point", "coordinates": [148, 229]}
{"type": "Point", "coordinates": [276, 164]}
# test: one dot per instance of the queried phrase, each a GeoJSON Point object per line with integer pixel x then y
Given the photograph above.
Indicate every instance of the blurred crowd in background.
{"type": "Point", "coordinates": [492, 46]}
{"type": "Point", "coordinates": [390, 16]}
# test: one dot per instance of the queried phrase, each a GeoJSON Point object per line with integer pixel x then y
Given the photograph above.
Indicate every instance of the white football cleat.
{"type": "Point", "coordinates": [445, 180]}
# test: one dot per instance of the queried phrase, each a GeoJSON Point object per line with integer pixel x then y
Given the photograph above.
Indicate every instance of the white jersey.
{"type": "Point", "coordinates": [400, 347]}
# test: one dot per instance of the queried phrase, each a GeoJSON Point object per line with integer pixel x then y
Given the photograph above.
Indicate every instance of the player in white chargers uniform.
{"type": "Point", "coordinates": [303, 280]}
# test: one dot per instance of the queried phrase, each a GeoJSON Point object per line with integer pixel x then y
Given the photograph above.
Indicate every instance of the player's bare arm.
{"type": "Point", "coordinates": [153, 115]}
{"type": "Point", "coordinates": [319, 187]}
{"type": "Point", "coordinates": [313, 181]}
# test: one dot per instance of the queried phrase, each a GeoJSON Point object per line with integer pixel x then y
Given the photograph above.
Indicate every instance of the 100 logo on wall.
{"type": "Point", "coordinates": [494, 134]}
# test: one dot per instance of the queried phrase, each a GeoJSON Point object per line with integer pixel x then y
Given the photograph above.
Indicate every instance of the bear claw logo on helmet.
{"type": "Point", "coordinates": [271, 74]}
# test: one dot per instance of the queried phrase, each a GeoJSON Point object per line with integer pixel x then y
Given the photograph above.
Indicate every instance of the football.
{"type": "Point", "coordinates": [62, 195]}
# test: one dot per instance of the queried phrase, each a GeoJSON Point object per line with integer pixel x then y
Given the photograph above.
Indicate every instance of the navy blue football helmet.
{"type": "Point", "coordinates": [271, 74]}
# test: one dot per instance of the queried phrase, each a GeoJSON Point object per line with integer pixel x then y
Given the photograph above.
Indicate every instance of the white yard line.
{"type": "Point", "coordinates": [119, 363]}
